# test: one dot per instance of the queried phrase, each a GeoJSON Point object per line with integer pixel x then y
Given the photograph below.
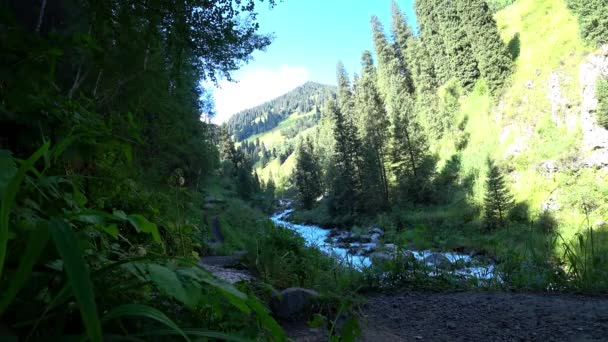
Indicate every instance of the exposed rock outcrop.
{"type": "Point", "coordinates": [595, 137]}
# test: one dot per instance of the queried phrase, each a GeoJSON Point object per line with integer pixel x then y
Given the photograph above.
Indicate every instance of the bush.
{"type": "Point", "coordinates": [546, 222]}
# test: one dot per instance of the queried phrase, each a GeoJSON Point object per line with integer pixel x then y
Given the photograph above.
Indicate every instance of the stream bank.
{"type": "Point", "coordinates": [360, 251]}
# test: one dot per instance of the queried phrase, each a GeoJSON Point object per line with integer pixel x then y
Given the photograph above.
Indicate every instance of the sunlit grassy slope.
{"type": "Point", "coordinates": [281, 173]}
{"type": "Point", "coordinates": [519, 129]}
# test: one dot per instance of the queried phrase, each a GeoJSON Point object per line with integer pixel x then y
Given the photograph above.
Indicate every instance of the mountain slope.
{"type": "Point", "coordinates": [308, 97]}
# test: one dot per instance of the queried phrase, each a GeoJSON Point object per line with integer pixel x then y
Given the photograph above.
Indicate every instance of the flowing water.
{"type": "Point", "coordinates": [319, 237]}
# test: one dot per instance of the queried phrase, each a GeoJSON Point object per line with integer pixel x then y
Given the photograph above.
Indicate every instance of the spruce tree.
{"type": "Point", "coordinates": [307, 175]}
{"type": "Point", "coordinates": [390, 64]}
{"type": "Point", "coordinates": [493, 58]}
{"type": "Point", "coordinates": [461, 58]}
{"type": "Point", "coordinates": [227, 149]}
{"type": "Point", "coordinates": [344, 186]}
{"type": "Point", "coordinates": [372, 123]}
{"type": "Point", "coordinates": [345, 102]}
{"type": "Point", "coordinates": [498, 200]}
{"type": "Point", "coordinates": [430, 35]}
{"type": "Point", "coordinates": [409, 151]}
{"type": "Point", "coordinates": [402, 32]}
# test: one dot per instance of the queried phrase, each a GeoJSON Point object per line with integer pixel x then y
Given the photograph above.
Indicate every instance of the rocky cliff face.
{"type": "Point", "coordinates": [595, 137]}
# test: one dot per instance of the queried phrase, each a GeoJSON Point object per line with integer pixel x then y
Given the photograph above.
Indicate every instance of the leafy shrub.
{"type": "Point", "coordinates": [546, 222]}
{"type": "Point", "coordinates": [56, 251]}
{"type": "Point", "coordinates": [520, 213]}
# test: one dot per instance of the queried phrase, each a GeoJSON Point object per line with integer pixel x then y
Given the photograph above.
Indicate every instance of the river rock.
{"type": "Point", "coordinates": [376, 230]}
{"type": "Point", "coordinates": [380, 257]}
{"type": "Point", "coordinates": [375, 237]}
{"type": "Point", "coordinates": [362, 249]}
{"type": "Point", "coordinates": [293, 302]}
{"type": "Point", "coordinates": [438, 260]}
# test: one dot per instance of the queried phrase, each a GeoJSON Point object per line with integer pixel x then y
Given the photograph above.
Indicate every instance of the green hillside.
{"type": "Point", "coordinates": [263, 118]}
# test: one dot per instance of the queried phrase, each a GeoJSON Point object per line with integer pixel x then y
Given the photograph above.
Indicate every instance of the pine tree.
{"type": "Point", "coordinates": [227, 149]}
{"type": "Point", "coordinates": [307, 175]}
{"type": "Point", "coordinates": [461, 58]}
{"type": "Point", "coordinates": [492, 55]}
{"type": "Point", "coordinates": [372, 124]}
{"type": "Point", "coordinates": [402, 32]}
{"type": "Point", "coordinates": [391, 66]}
{"type": "Point", "coordinates": [498, 200]}
{"type": "Point", "coordinates": [409, 151]}
{"type": "Point", "coordinates": [430, 35]}
{"type": "Point", "coordinates": [345, 185]}
{"type": "Point", "coordinates": [345, 102]}
{"type": "Point", "coordinates": [270, 188]}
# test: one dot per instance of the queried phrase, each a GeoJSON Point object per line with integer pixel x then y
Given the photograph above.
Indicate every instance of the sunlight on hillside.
{"type": "Point", "coordinates": [520, 128]}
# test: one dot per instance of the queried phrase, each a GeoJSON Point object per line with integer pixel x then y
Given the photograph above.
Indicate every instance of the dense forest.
{"type": "Point", "coordinates": [124, 216]}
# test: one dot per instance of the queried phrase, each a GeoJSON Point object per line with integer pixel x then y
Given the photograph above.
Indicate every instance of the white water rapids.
{"type": "Point", "coordinates": [318, 237]}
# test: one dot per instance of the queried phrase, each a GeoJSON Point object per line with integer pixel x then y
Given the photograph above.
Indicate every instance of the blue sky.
{"type": "Point", "coordinates": [310, 37]}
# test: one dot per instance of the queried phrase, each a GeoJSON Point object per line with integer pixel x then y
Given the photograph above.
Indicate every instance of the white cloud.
{"type": "Point", "coordinates": [254, 88]}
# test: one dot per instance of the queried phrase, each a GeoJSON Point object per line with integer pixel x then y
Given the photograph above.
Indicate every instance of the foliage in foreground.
{"type": "Point", "coordinates": [63, 258]}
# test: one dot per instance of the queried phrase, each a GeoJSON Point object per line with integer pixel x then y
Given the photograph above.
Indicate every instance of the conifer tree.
{"type": "Point", "coordinates": [227, 149]}
{"type": "Point", "coordinates": [372, 124]}
{"type": "Point", "coordinates": [402, 32]}
{"type": "Point", "coordinates": [409, 150]}
{"type": "Point", "coordinates": [461, 58]}
{"type": "Point", "coordinates": [430, 35]}
{"type": "Point", "coordinates": [345, 103]}
{"type": "Point", "coordinates": [307, 175]}
{"type": "Point", "coordinates": [344, 187]}
{"type": "Point", "coordinates": [391, 66]}
{"type": "Point", "coordinates": [498, 200]}
{"type": "Point", "coordinates": [592, 19]}
{"type": "Point", "coordinates": [492, 55]}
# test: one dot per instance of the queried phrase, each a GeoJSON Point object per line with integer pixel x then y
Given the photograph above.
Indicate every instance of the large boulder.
{"type": "Point", "coordinates": [292, 303]}
{"type": "Point", "coordinates": [438, 260]}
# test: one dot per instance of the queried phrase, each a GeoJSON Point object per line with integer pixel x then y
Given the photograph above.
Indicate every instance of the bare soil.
{"type": "Point", "coordinates": [474, 316]}
{"type": "Point", "coordinates": [468, 316]}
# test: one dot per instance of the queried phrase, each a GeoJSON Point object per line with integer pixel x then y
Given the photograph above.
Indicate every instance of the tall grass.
{"type": "Point", "coordinates": [586, 257]}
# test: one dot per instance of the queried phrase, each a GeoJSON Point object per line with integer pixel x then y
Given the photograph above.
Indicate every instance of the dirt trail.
{"type": "Point", "coordinates": [468, 316]}
{"type": "Point", "coordinates": [417, 316]}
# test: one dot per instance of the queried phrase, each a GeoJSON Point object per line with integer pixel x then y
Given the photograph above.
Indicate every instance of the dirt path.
{"type": "Point", "coordinates": [222, 267]}
{"type": "Point", "coordinates": [419, 316]}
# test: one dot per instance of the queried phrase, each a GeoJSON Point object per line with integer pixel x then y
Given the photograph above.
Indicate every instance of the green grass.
{"type": "Point", "coordinates": [518, 129]}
